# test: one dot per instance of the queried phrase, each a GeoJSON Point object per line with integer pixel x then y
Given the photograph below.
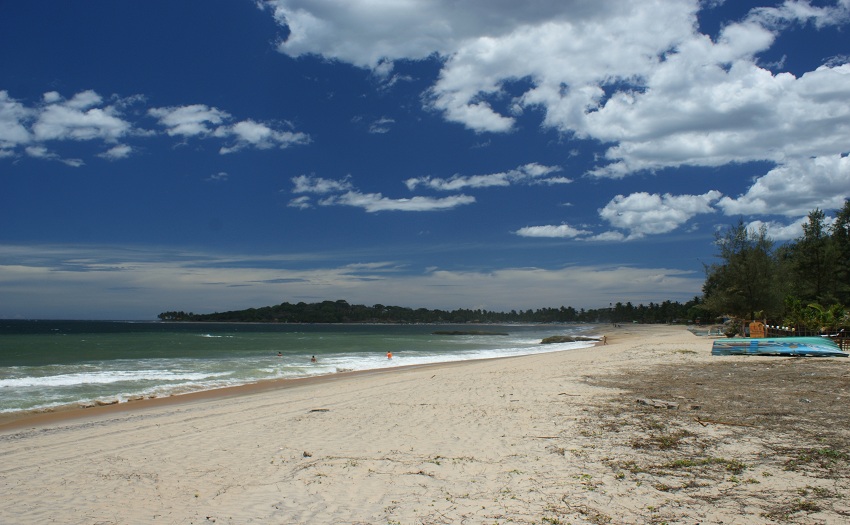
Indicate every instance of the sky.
{"type": "Point", "coordinates": [214, 155]}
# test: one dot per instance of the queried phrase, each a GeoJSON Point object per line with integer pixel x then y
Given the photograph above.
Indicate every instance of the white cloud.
{"type": "Point", "coordinates": [121, 151]}
{"type": "Point", "coordinates": [560, 231]}
{"type": "Point", "coordinates": [78, 119]}
{"type": "Point", "coordinates": [302, 203]}
{"type": "Point", "coordinates": [313, 184]}
{"type": "Point", "coordinates": [201, 120]}
{"type": "Point", "coordinates": [345, 194]}
{"type": "Point", "coordinates": [40, 152]}
{"type": "Point", "coordinates": [527, 174]}
{"type": "Point", "coordinates": [372, 34]}
{"type": "Point", "coordinates": [85, 117]}
{"type": "Point", "coordinates": [248, 133]}
{"type": "Point", "coordinates": [375, 202]}
{"type": "Point", "coordinates": [636, 75]}
{"type": "Point", "coordinates": [13, 131]}
{"type": "Point", "coordinates": [609, 236]}
{"type": "Point", "coordinates": [796, 188]}
{"type": "Point", "coordinates": [648, 214]}
{"type": "Point", "coordinates": [189, 121]}
{"type": "Point", "coordinates": [802, 11]}
{"type": "Point", "coordinates": [779, 232]}
{"type": "Point", "coordinates": [722, 116]}
{"type": "Point", "coordinates": [381, 126]}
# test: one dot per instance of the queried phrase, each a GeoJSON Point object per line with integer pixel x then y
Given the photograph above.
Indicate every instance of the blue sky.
{"type": "Point", "coordinates": [223, 154]}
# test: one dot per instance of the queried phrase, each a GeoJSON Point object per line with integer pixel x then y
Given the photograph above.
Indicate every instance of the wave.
{"type": "Point", "coordinates": [106, 377]}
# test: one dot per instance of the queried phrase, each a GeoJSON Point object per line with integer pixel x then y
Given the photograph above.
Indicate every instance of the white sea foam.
{"type": "Point", "coordinates": [105, 377]}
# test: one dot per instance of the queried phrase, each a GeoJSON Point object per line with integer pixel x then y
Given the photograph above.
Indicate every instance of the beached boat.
{"type": "Point", "coordinates": [784, 346]}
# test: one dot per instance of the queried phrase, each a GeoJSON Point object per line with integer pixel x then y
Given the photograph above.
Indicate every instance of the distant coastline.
{"type": "Point", "coordinates": [341, 311]}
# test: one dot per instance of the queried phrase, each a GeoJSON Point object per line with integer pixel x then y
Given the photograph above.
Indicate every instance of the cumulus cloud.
{"type": "Point", "coordinates": [527, 174]}
{"type": "Point", "coordinates": [189, 121]}
{"type": "Point", "coordinates": [248, 133]}
{"type": "Point", "coordinates": [560, 231]}
{"type": "Point", "coordinates": [639, 214]}
{"type": "Point", "coordinates": [87, 116]}
{"type": "Point", "coordinates": [13, 131]}
{"type": "Point", "coordinates": [636, 75]}
{"type": "Point", "coordinates": [200, 120]}
{"type": "Point", "coordinates": [647, 214]}
{"type": "Point", "coordinates": [778, 231]}
{"type": "Point", "coordinates": [78, 119]}
{"type": "Point", "coordinates": [795, 188]}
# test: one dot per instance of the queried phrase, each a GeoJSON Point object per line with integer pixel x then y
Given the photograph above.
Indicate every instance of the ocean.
{"type": "Point", "coordinates": [49, 364]}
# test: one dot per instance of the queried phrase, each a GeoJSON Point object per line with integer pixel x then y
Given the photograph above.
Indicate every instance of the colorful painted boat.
{"type": "Point", "coordinates": [784, 346]}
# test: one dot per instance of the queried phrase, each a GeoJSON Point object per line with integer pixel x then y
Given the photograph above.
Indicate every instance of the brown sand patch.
{"type": "Point", "coordinates": [725, 432]}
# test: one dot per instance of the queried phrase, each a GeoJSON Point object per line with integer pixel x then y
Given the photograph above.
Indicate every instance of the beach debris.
{"type": "Point", "coordinates": [321, 410]}
{"type": "Point", "coordinates": [658, 403]}
{"type": "Point", "coordinates": [306, 454]}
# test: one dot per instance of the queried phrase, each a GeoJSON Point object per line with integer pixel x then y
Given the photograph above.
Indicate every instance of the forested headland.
{"type": "Point", "coordinates": [803, 284]}
{"type": "Point", "coordinates": [342, 312]}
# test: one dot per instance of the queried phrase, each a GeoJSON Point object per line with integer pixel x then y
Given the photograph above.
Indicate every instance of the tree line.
{"type": "Point", "coordinates": [804, 284]}
{"type": "Point", "coordinates": [342, 312]}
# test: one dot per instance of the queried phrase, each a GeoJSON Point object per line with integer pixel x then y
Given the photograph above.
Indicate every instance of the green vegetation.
{"type": "Point", "coordinates": [342, 312]}
{"type": "Point", "coordinates": [804, 284]}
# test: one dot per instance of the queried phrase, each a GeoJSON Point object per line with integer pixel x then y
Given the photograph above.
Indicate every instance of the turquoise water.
{"type": "Point", "coordinates": [45, 364]}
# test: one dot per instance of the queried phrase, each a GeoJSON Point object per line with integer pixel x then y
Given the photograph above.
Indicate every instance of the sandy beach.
{"type": "Point", "coordinates": [649, 428]}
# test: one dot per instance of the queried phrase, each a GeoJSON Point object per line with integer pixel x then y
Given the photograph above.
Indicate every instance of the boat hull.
{"type": "Point", "coordinates": [782, 346]}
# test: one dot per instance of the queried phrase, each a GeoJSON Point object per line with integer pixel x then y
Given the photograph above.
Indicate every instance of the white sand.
{"type": "Point", "coordinates": [500, 441]}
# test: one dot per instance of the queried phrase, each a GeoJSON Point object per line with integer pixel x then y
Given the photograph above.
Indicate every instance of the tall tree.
{"type": "Point", "coordinates": [840, 235]}
{"type": "Point", "coordinates": [746, 280]}
{"type": "Point", "coordinates": [814, 261]}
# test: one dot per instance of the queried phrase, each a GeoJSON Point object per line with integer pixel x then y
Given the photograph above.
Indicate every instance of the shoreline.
{"type": "Point", "coordinates": [649, 428]}
{"type": "Point", "coordinates": [82, 409]}
{"type": "Point", "coordinates": [10, 421]}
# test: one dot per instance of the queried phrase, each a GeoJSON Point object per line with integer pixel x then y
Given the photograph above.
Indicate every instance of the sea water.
{"type": "Point", "coordinates": [46, 364]}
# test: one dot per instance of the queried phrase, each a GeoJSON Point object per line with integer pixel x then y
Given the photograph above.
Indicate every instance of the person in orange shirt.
{"type": "Point", "coordinates": [389, 355]}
